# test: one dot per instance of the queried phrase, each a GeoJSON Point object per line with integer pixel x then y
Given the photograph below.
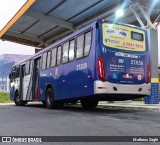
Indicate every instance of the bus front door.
{"type": "Point", "coordinates": [22, 71]}
{"type": "Point", "coordinates": [36, 79]}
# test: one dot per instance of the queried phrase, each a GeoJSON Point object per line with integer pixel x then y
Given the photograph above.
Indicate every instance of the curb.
{"type": "Point", "coordinates": [113, 106]}
{"type": "Point", "coordinates": [136, 108]}
{"type": "Point", "coordinates": [6, 103]}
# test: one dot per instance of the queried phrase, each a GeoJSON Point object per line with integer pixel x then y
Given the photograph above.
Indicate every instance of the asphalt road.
{"type": "Point", "coordinates": [35, 120]}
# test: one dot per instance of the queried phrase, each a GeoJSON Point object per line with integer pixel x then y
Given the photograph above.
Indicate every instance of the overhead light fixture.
{"type": "Point", "coordinates": [119, 12]}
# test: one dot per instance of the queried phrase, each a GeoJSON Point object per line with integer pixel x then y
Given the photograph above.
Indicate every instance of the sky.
{"type": "Point", "coordinates": [7, 47]}
{"type": "Point", "coordinates": [8, 8]}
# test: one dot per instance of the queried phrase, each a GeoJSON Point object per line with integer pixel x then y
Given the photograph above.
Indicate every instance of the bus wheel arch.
{"type": "Point", "coordinates": [47, 87]}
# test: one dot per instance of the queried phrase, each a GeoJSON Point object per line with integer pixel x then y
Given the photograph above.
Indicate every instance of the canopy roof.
{"type": "Point", "coordinates": [48, 20]}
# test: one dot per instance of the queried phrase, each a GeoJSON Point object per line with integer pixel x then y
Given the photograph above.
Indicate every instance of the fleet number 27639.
{"type": "Point", "coordinates": [136, 62]}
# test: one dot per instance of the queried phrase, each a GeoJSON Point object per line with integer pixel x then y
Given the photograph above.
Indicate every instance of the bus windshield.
{"type": "Point", "coordinates": [123, 37]}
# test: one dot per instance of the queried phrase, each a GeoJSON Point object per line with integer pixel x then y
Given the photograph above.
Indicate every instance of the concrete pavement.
{"type": "Point", "coordinates": [35, 120]}
{"type": "Point", "coordinates": [133, 105]}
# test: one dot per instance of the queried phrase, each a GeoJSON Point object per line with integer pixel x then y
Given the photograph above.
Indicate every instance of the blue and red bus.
{"type": "Point", "coordinates": [101, 61]}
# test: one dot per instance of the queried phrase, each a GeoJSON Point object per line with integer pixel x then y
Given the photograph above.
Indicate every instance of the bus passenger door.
{"type": "Point", "coordinates": [22, 71]}
{"type": "Point", "coordinates": [27, 81]}
{"type": "Point", "coordinates": [36, 80]}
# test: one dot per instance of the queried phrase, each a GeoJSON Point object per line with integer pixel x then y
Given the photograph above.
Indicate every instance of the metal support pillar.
{"type": "Point", "coordinates": [137, 9]}
{"type": "Point", "coordinates": [153, 47]}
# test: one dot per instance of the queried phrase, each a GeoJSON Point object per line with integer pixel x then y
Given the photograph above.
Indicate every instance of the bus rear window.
{"type": "Point", "coordinates": [136, 36]}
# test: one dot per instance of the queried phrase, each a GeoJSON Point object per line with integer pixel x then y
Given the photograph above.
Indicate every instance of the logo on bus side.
{"type": "Point", "coordinates": [56, 76]}
{"type": "Point", "coordinates": [82, 66]}
{"type": "Point", "coordinates": [56, 72]}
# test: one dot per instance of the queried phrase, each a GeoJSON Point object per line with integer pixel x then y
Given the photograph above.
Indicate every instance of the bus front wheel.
{"type": "Point", "coordinates": [17, 100]}
{"type": "Point", "coordinates": [89, 103]}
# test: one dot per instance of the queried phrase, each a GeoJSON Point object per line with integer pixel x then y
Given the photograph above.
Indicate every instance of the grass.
{"type": "Point", "coordinates": [4, 98]}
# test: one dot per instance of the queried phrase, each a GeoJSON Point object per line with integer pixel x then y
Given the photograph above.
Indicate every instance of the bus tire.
{"type": "Point", "coordinates": [49, 98]}
{"type": "Point", "coordinates": [50, 103]}
{"type": "Point", "coordinates": [17, 100]}
{"type": "Point", "coordinates": [89, 103]}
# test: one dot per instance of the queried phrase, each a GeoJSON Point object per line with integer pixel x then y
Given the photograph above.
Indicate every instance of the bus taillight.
{"type": "Point", "coordinates": [103, 20]}
{"type": "Point", "coordinates": [148, 74]}
{"type": "Point", "coordinates": [101, 70]}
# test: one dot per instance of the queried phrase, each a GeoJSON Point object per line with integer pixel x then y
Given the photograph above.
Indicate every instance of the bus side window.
{"type": "Point", "coordinates": [23, 71]}
{"type": "Point", "coordinates": [80, 45]}
{"type": "Point", "coordinates": [31, 67]}
{"type": "Point", "coordinates": [17, 71]}
{"type": "Point", "coordinates": [44, 57]}
{"type": "Point", "coordinates": [87, 44]}
{"type": "Point", "coordinates": [71, 50]}
{"type": "Point", "coordinates": [27, 68]}
{"type": "Point", "coordinates": [65, 52]}
{"type": "Point", "coordinates": [12, 74]}
{"type": "Point", "coordinates": [48, 59]}
{"type": "Point", "coordinates": [59, 49]}
{"type": "Point", "coordinates": [54, 52]}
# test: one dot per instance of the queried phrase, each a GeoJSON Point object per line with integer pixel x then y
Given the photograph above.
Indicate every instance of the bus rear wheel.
{"type": "Point", "coordinates": [50, 103]}
{"type": "Point", "coordinates": [89, 103]}
{"type": "Point", "coordinates": [49, 98]}
{"type": "Point", "coordinates": [17, 100]}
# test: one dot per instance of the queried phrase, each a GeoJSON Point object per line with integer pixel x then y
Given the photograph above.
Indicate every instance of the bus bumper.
{"type": "Point", "coordinates": [111, 88]}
